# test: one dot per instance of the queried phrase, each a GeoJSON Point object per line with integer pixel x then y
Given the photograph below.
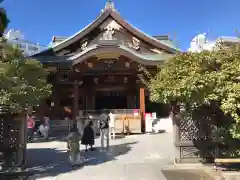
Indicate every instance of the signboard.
{"type": "Point", "coordinates": [154, 115]}
{"type": "Point", "coordinates": [135, 112]}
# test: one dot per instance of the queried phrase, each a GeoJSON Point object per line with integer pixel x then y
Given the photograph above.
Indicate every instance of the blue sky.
{"type": "Point", "coordinates": [39, 20]}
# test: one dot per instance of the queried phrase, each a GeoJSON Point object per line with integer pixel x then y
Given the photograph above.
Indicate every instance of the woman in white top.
{"type": "Point", "coordinates": [112, 125]}
{"type": "Point", "coordinates": [44, 128]}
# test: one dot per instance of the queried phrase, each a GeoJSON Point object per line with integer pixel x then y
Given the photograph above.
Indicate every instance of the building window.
{"type": "Point", "coordinates": [32, 48]}
{"type": "Point", "coordinates": [18, 45]}
{"type": "Point", "coordinates": [23, 46]}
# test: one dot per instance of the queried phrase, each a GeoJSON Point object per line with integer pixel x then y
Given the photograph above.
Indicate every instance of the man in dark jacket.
{"type": "Point", "coordinates": [104, 128]}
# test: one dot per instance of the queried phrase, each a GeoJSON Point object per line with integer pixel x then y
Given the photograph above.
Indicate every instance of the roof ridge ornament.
{"type": "Point", "coordinates": [110, 6]}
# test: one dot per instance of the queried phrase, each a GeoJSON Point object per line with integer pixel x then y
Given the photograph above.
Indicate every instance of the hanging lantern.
{"type": "Point", "coordinates": [80, 83]}
{"type": "Point", "coordinates": [96, 80]}
{"type": "Point", "coordinates": [125, 80]}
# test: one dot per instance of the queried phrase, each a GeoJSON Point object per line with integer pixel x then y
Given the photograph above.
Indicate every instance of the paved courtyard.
{"type": "Point", "coordinates": [136, 157]}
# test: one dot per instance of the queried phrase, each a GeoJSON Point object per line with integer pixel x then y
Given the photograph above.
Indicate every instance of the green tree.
{"type": "Point", "coordinates": [3, 20]}
{"type": "Point", "coordinates": [199, 79]}
{"type": "Point", "coordinates": [23, 82]}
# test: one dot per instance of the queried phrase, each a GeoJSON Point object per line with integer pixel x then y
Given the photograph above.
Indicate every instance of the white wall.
{"type": "Point", "coordinates": [28, 48]}
{"type": "Point", "coordinates": [200, 42]}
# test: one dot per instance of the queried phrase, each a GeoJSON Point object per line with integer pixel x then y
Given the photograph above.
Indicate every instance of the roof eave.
{"type": "Point", "coordinates": [122, 50]}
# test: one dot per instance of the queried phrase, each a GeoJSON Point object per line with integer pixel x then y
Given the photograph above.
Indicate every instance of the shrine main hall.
{"type": "Point", "coordinates": [98, 67]}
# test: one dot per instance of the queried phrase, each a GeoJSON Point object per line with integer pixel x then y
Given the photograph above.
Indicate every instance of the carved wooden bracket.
{"type": "Point", "coordinates": [90, 65]}
{"type": "Point", "coordinates": [84, 46]}
{"type": "Point", "coordinates": [110, 29]}
{"type": "Point", "coordinates": [77, 70]}
{"type": "Point", "coordinates": [127, 64]}
{"type": "Point", "coordinates": [108, 56]}
{"type": "Point", "coordinates": [135, 44]}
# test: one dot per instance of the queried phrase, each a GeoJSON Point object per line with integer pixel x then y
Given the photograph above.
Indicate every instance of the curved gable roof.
{"type": "Point", "coordinates": [116, 16]}
{"type": "Point", "coordinates": [111, 13]}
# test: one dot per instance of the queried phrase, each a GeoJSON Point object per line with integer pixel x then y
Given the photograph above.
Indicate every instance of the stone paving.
{"type": "Point", "coordinates": [136, 157]}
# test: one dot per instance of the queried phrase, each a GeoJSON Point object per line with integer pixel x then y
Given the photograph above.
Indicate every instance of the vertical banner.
{"type": "Point", "coordinates": [148, 122]}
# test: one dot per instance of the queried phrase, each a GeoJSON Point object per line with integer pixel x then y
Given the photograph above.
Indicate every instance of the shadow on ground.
{"type": "Point", "coordinates": [53, 162]}
{"type": "Point", "coordinates": [62, 138]}
{"type": "Point", "coordinates": [186, 175]}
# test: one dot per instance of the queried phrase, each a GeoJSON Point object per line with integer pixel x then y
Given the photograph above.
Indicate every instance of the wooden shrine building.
{"type": "Point", "coordinates": [97, 68]}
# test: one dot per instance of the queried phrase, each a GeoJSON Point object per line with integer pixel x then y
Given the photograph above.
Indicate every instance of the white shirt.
{"type": "Point", "coordinates": [43, 128]}
{"type": "Point", "coordinates": [111, 120]}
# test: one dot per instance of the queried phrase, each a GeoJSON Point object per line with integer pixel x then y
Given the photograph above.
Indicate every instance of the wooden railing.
{"type": "Point", "coordinates": [127, 121]}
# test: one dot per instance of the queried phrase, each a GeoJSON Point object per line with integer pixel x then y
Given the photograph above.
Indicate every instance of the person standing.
{"type": "Point", "coordinates": [112, 125]}
{"type": "Point", "coordinates": [44, 129]}
{"type": "Point", "coordinates": [69, 122]}
{"type": "Point", "coordinates": [104, 128]}
{"type": "Point", "coordinates": [47, 121]}
{"type": "Point", "coordinates": [30, 127]}
{"type": "Point", "coordinates": [73, 146]}
{"type": "Point", "coordinates": [88, 136]}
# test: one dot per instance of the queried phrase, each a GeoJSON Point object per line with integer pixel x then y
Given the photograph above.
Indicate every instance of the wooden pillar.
{"type": "Point", "coordinates": [129, 103]}
{"type": "Point", "coordinates": [142, 107]}
{"type": "Point", "coordinates": [90, 100]}
{"type": "Point", "coordinates": [75, 101]}
{"type": "Point", "coordinates": [55, 107]}
{"type": "Point", "coordinates": [93, 100]}
{"type": "Point", "coordinates": [131, 99]}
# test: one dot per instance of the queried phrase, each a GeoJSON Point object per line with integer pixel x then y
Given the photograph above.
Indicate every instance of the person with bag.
{"type": "Point", "coordinates": [104, 128]}
{"type": "Point", "coordinates": [73, 146]}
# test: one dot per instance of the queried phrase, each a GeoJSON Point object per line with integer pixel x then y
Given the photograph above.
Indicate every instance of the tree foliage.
{"type": "Point", "coordinates": [23, 82]}
{"type": "Point", "coordinates": [201, 78]}
{"type": "Point", "coordinates": [3, 20]}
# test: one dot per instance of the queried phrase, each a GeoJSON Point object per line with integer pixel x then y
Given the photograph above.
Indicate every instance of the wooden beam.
{"type": "Point", "coordinates": [75, 101]}
{"type": "Point", "coordinates": [142, 107]}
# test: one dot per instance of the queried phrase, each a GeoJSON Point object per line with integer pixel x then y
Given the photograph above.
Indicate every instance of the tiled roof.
{"type": "Point", "coordinates": [116, 16]}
